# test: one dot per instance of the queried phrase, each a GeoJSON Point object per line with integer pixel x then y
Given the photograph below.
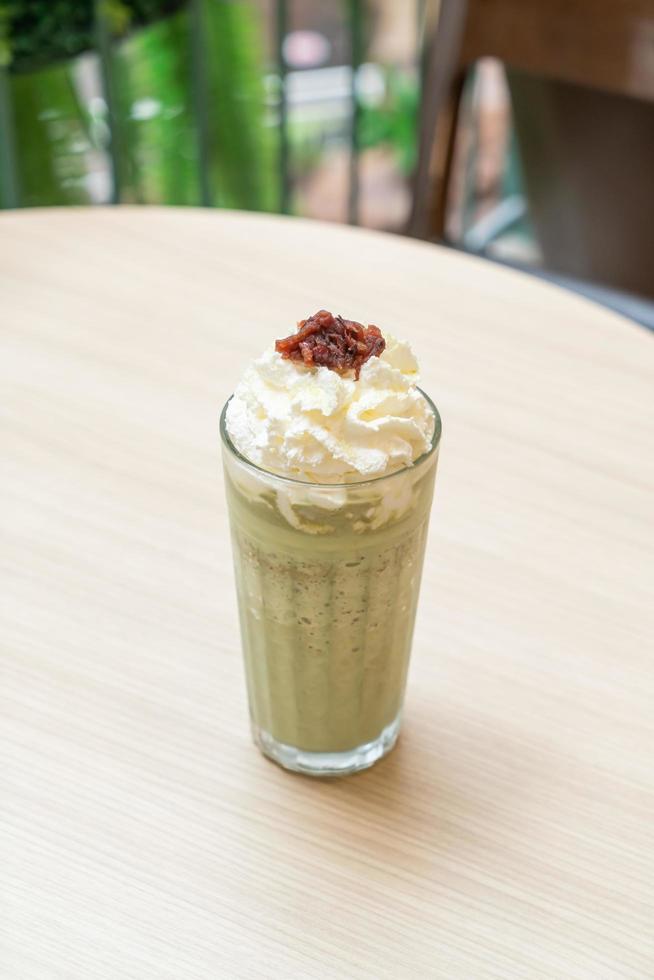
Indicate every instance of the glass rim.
{"type": "Point", "coordinates": [435, 442]}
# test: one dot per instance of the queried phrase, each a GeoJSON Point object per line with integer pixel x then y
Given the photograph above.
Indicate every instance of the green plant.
{"type": "Point", "coordinates": [155, 118]}
{"type": "Point", "coordinates": [394, 122]}
{"type": "Point", "coordinates": [39, 32]}
{"type": "Point", "coordinates": [156, 139]}
{"type": "Point", "coordinates": [240, 147]}
{"type": "Point", "coordinates": [51, 138]}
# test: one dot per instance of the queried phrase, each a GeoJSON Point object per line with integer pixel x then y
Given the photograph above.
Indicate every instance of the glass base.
{"type": "Point", "coordinates": [327, 763]}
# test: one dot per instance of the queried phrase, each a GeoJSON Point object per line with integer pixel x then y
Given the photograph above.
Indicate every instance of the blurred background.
{"type": "Point", "coordinates": [518, 129]}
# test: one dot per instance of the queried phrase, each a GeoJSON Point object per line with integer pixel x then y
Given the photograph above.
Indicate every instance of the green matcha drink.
{"type": "Point", "coordinates": [329, 477]}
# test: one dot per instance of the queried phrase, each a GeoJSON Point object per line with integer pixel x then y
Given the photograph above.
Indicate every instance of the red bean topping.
{"type": "Point", "coordinates": [331, 341]}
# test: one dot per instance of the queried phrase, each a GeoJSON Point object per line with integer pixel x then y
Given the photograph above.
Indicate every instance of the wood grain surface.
{"type": "Point", "coordinates": [510, 833]}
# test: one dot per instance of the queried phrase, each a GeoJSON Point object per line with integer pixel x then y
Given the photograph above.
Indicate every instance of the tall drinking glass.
{"type": "Point", "coordinates": [327, 578]}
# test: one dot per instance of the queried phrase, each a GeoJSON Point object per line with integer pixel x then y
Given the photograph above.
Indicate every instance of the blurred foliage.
{"type": "Point", "coordinates": [51, 138]}
{"type": "Point", "coordinates": [38, 32]}
{"type": "Point", "coordinates": [62, 131]}
{"type": "Point", "coordinates": [157, 139]}
{"type": "Point", "coordinates": [242, 150]}
{"type": "Point", "coordinates": [308, 140]}
{"type": "Point", "coordinates": [5, 47]}
{"type": "Point", "coordinates": [394, 122]}
{"type": "Point", "coordinates": [155, 120]}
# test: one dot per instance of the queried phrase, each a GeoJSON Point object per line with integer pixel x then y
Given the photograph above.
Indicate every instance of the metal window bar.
{"type": "Point", "coordinates": [356, 53]}
{"type": "Point", "coordinates": [9, 183]}
{"type": "Point", "coordinates": [200, 92]}
{"type": "Point", "coordinates": [421, 43]}
{"type": "Point", "coordinates": [103, 44]}
{"type": "Point", "coordinates": [284, 156]}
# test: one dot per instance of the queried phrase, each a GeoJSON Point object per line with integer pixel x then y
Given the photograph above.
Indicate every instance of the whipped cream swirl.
{"type": "Point", "coordinates": [315, 425]}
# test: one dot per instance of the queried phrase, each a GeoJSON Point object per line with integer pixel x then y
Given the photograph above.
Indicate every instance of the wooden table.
{"type": "Point", "coordinates": [510, 833]}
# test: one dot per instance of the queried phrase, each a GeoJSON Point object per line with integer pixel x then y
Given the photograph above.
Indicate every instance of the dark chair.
{"type": "Point", "coordinates": [581, 77]}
